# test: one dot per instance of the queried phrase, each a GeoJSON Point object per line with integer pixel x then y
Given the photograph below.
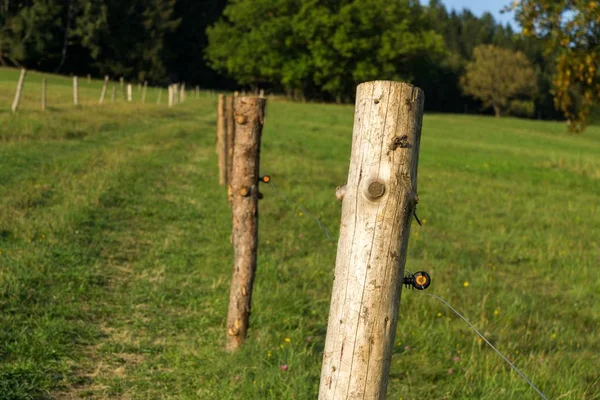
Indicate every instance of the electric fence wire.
{"type": "Point", "coordinates": [327, 234]}
{"type": "Point", "coordinates": [542, 395]}
{"type": "Point", "coordinates": [304, 210]}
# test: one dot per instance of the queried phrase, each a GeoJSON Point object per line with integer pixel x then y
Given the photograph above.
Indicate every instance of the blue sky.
{"type": "Point", "coordinates": [478, 7]}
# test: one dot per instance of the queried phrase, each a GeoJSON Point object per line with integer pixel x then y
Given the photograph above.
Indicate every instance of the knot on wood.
{"type": "Point", "coordinates": [399, 142]}
{"type": "Point", "coordinates": [375, 190]}
{"type": "Point", "coordinates": [241, 119]}
{"type": "Point", "coordinates": [244, 192]}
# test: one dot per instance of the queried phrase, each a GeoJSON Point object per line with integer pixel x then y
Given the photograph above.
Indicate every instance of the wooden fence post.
{"type": "Point", "coordinates": [144, 90]}
{"type": "Point", "coordinates": [377, 210]}
{"type": "Point", "coordinates": [170, 88]}
{"type": "Point", "coordinates": [113, 95]}
{"type": "Point", "coordinates": [129, 93]}
{"type": "Point", "coordinates": [230, 123]}
{"type": "Point", "coordinates": [122, 83]}
{"type": "Point", "coordinates": [249, 117]}
{"type": "Point", "coordinates": [182, 95]}
{"type": "Point", "coordinates": [103, 92]}
{"type": "Point", "coordinates": [44, 86]}
{"type": "Point", "coordinates": [222, 140]}
{"type": "Point", "coordinates": [75, 91]}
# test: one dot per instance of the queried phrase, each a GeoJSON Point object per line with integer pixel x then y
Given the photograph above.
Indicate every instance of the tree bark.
{"type": "Point", "coordinates": [249, 118]}
{"type": "Point", "coordinates": [230, 123]}
{"type": "Point", "coordinates": [377, 207]}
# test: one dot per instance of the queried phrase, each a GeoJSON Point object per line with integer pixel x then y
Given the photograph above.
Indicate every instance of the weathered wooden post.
{"type": "Point", "coordinates": [230, 123]}
{"type": "Point", "coordinates": [378, 204]}
{"type": "Point", "coordinates": [170, 87]}
{"type": "Point", "coordinates": [249, 117]}
{"type": "Point", "coordinates": [222, 140]}
{"type": "Point", "coordinates": [158, 96]}
{"type": "Point", "coordinates": [182, 95]}
{"type": "Point", "coordinates": [129, 93]}
{"type": "Point", "coordinates": [144, 90]}
{"type": "Point", "coordinates": [75, 90]}
{"type": "Point", "coordinates": [44, 87]}
{"type": "Point", "coordinates": [103, 92]}
{"type": "Point", "coordinates": [122, 83]}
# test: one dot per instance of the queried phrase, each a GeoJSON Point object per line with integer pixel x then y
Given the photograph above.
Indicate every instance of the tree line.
{"type": "Point", "coordinates": [321, 49]}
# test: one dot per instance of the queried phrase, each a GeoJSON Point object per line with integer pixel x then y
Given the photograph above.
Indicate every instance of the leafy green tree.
{"type": "Point", "coordinates": [571, 30]}
{"type": "Point", "coordinates": [501, 79]}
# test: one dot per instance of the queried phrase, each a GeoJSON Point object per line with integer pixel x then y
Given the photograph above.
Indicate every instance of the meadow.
{"type": "Point", "coordinates": [115, 258]}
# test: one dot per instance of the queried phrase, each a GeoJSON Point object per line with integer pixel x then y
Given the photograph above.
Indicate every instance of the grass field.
{"type": "Point", "coordinates": [115, 258]}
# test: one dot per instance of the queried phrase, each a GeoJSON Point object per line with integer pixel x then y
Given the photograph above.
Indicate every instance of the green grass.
{"type": "Point", "coordinates": [115, 258]}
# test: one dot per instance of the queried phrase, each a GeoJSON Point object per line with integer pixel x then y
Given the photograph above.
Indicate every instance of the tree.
{"type": "Point", "coordinates": [571, 30]}
{"type": "Point", "coordinates": [501, 79]}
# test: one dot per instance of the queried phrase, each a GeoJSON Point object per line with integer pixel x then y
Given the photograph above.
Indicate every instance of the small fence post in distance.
{"type": "Point", "coordinates": [75, 90]}
{"type": "Point", "coordinates": [222, 140]}
{"type": "Point", "coordinates": [249, 118]}
{"type": "Point", "coordinates": [377, 211]}
{"type": "Point", "coordinates": [44, 87]}
{"type": "Point", "coordinates": [103, 92]}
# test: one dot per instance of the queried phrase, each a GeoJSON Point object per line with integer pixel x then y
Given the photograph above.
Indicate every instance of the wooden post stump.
{"type": "Point", "coordinates": [222, 140]}
{"type": "Point", "coordinates": [75, 91]}
{"type": "Point", "coordinates": [103, 91]}
{"type": "Point", "coordinates": [378, 205]}
{"type": "Point", "coordinates": [44, 88]}
{"type": "Point", "coordinates": [230, 123]}
{"type": "Point", "coordinates": [249, 117]}
{"type": "Point", "coordinates": [144, 90]}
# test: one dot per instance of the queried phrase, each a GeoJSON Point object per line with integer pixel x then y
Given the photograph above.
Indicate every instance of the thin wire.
{"type": "Point", "coordinates": [542, 395]}
{"type": "Point", "coordinates": [304, 210]}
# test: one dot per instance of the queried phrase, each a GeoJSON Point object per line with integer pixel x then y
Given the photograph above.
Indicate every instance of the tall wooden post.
{"type": "Point", "coordinates": [144, 90]}
{"type": "Point", "coordinates": [19, 91]}
{"type": "Point", "coordinates": [75, 91]}
{"type": "Point", "coordinates": [170, 87]}
{"type": "Point", "coordinates": [103, 92]}
{"type": "Point", "coordinates": [249, 117]}
{"type": "Point", "coordinates": [222, 139]}
{"type": "Point", "coordinates": [44, 87]}
{"type": "Point", "coordinates": [230, 123]}
{"type": "Point", "coordinates": [378, 204]}
{"type": "Point", "coordinates": [129, 93]}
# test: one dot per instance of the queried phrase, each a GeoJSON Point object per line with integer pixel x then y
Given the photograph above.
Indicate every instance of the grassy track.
{"type": "Point", "coordinates": [115, 257]}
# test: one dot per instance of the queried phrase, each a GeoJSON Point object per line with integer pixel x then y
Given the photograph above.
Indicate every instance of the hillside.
{"type": "Point", "coordinates": [115, 258]}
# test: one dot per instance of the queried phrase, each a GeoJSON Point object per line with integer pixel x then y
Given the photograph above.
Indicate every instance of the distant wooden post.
{"type": "Point", "coordinates": [230, 124]}
{"type": "Point", "coordinates": [249, 117]}
{"type": "Point", "coordinates": [44, 86]}
{"type": "Point", "coordinates": [129, 93]}
{"type": "Point", "coordinates": [122, 83]}
{"type": "Point", "coordinates": [158, 96]}
{"type": "Point", "coordinates": [144, 90]}
{"type": "Point", "coordinates": [104, 87]}
{"type": "Point", "coordinates": [182, 92]}
{"type": "Point", "coordinates": [261, 93]}
{"type": "Point", "coordinates": [19, 91]}
{"type": "Point", "coordinates": [170, 87]}
{"type": "Point", "coordinates": [75, 91]}
{"type": "Point", "coordinates": [113, 96]}
{"type": "Point", "coordinates": [377, 211]}
{"type": "Point", "coordinates": [222, 139]}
